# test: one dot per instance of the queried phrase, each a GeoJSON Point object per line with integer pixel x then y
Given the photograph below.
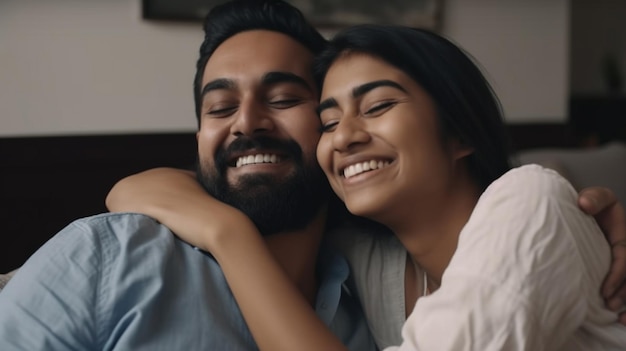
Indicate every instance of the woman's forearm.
{"type": "Point", "coordinates": [277, 314]}
{"type": "Point", "coordinates": [153, 191]}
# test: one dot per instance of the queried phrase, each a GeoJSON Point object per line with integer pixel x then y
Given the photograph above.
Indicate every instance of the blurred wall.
{"type": "Point", "coordinates": [598, 30]}
{"type": "Point", "coordinates": [524, 47]}
{"type": "Point", "coordinates": [95, 67]}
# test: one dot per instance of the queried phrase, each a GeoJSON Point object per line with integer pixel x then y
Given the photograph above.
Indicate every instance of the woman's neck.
{"type": "Point", "coordinates": [431, 234]}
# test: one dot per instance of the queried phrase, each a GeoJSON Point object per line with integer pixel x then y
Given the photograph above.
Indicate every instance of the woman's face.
{"type": "Point", "coordinates": [381, 147]}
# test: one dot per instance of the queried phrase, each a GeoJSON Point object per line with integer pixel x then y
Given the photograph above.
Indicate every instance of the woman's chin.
{"type": "Point", "coordinates": [364, 210]}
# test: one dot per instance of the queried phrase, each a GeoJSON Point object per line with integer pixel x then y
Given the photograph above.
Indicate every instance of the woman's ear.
{"type": "Point", "coordinates": [459, 149]}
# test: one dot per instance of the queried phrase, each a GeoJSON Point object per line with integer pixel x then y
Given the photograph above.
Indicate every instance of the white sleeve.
{"type": "Point", "coordinates": [514, 282]}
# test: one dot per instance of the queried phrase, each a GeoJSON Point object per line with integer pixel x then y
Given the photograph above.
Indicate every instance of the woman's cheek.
{"type": "Point", "coordinates": [323, 154]}
{"type": "Point", "coordinates": [324, 157]}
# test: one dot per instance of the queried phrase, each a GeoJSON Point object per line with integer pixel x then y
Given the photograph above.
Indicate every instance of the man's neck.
{"type": "Point", "coordinates": [296, 251]}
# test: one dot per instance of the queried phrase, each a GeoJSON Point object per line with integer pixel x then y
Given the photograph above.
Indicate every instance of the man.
{"type": "Point", "coordinates": [124, 282]}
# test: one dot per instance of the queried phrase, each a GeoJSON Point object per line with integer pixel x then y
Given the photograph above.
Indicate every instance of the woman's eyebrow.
{"type": "Point", "coordinates": [326, 104]}
{"type": "Point", "coordinates": [359, 91]}
{"type": "Point", "coordinates": [367, 87]}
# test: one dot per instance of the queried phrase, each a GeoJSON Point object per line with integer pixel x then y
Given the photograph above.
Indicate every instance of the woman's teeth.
{"type": "Point", "coordinates": [255, 159]}
{"type": "Point", "coordinates": [359, 168]}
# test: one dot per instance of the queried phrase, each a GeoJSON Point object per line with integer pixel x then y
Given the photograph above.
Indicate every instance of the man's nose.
{"type": "Point", "coordinates": [253, 117]}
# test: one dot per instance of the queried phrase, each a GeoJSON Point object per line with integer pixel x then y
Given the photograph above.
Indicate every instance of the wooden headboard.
{"type": "Point", "coordinates": [47, 182]}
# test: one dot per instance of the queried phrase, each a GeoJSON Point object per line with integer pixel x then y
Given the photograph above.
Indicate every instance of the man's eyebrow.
{"type": "Point", "coordinates": [217, 84]}
{"type": "Point", "coordinates": [367, 87]}
{"type": "Point", "coordinates": [272, 78]}
{"type": "Point", "coordinates": [326, 104]}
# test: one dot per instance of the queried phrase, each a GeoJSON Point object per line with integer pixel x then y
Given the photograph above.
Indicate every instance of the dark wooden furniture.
{"type": "Point", "coordinates": [47, 182]}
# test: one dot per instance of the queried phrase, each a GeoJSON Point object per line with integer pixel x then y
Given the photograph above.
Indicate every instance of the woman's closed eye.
{"type": "Point", "coordinates": [375, 110]}
{"type": "Point", "coordinates": [328, 126]}
{"type": "Point", "coordinates": [329, 117]}
{"type": "Point", "coordinates": [379, 107]}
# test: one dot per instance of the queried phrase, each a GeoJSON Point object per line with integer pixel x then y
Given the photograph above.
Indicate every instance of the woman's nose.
{"type": "Point", "coordinates": [348, 133]}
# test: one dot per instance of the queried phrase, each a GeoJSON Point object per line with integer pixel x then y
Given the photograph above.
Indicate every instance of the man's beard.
{"type": "Point", "coordinates": [274, 204]}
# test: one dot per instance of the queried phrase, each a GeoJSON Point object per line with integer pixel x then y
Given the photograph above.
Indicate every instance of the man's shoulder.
{"type": "Point", "coordinates": [113, 277]}
{"type": "Point", "coordinates": [114, 249]}
{"type": "Point", "coordinates": [107, 239]}
{"type": "Point", "coordinates": [107, 228]}
{"type": "Point", "coordinates": [116, 221]}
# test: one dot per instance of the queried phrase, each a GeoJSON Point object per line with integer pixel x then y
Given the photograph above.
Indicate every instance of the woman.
{"type": "Point", "coordinates": [505, 257]}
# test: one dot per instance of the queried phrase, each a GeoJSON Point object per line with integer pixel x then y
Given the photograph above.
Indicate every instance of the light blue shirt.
{"type": "Point", "coordinates": [125, 282]}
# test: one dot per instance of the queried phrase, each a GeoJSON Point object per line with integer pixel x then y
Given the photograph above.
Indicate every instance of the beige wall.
{"type": "Point", "coordinates": [94, 66]}
{"type": "Point", "coordinates": [523, 45]}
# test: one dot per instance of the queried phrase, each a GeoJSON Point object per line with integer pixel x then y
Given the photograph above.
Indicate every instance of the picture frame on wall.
{"type": "Point", "coordinates": [324, 14]}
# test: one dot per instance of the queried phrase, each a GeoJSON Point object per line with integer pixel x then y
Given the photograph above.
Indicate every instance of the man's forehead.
{"type": "Point", "coordinates": [271, 79]}
{"type": "Point", "coordinates": [256, 77]}
{"type": "Point", "coordinates": [251, 55]}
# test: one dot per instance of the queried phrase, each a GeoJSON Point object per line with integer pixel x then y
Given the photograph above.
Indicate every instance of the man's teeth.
{"type": "Point", "coordinates": [359, 168]}
{"type": "Point", "coordinates": [259, 158]}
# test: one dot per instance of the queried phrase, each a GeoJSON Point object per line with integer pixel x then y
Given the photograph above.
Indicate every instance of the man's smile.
{"type": "Point", "coordinates": [257, 159]}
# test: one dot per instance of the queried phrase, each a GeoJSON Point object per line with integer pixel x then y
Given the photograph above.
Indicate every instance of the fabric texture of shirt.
{"type": "Point", "coordinates": [125, 282]}
{"type": "Point", "coordinates": [526, 275]}
{"type": "Point", "coordinates": [377, 261]}
{"type": "Point", "coordinates": [4, 278]}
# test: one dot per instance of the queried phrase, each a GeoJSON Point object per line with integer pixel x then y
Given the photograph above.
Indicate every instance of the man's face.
{"type": "Point", "coordinates": [259, 130]}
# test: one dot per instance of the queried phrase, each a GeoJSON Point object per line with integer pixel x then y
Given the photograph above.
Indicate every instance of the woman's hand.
{"type": "Point", "coordinates": [609, 213]}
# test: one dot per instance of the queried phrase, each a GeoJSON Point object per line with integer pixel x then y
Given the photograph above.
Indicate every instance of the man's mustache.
{"type": "Point", "coordinates": [286, 147]}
